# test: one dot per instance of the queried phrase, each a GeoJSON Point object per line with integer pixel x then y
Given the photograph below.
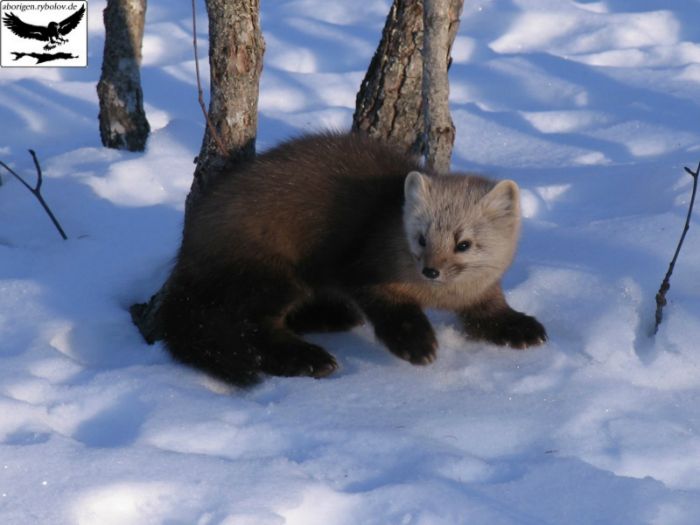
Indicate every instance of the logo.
{"type": "Point", "coordinates": [43, 34]}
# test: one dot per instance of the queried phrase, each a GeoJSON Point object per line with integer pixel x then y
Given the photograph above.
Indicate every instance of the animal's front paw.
{"type": "Point", "coordinates": [418, 352]}
{"type": "Point", "coordinates": [314, 361]}
{"type": "Point", "coordinates": [521, 331]}
{"type": "Point", "coordinates": [512, 328]}
{"type": "Point", "coordinates": [414, 342]}
{"type": "Point", "coordinates": [298, 358]}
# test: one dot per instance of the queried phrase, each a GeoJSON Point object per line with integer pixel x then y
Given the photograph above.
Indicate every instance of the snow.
{"type": "Point", "coordinates": [591, 106]}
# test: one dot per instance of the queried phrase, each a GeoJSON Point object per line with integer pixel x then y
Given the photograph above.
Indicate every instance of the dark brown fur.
{"type": "Point", "coordinates": [304, 238]}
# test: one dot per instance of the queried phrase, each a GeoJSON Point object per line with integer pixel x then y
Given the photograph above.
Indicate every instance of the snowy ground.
{"type": "Point", "coordinates": [591, 106]}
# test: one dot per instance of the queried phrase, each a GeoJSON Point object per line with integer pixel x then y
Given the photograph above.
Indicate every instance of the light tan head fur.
{"type": "Point", "coordinates": [464, 227]}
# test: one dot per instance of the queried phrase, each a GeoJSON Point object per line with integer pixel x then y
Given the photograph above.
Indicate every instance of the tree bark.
{"type": "Point", "coordinates": [236, 49]}
{"type": "Point", "coordinates": [439, 128]}
{"type": "Point", "coordinates": [123, 123]}
{"type": "Point", "coordinates": [389, 104]}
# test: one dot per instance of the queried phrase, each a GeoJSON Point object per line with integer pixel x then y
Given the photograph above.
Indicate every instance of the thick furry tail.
{"type": "Point", "coordinates": [230, 339]}
{"type": "Point", "coordinates": [207, 338]}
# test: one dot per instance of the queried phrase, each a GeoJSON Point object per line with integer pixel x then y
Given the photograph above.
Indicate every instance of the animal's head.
{"type": "Point", "coordinates": [460, 227]}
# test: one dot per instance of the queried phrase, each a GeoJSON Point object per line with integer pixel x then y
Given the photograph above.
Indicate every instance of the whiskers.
{"type": "Point", "coordinates": [458, 269]}
{"type": "Point", "coordinates": [481, 266]}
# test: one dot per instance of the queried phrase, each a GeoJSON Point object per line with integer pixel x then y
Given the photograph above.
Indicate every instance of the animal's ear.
{"type": "Point", "coordinates": [503, 200]}
{"type": "Point", "coordinates": [416, 187]}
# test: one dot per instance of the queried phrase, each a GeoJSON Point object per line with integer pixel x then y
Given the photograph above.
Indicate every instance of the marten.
{"type": "Point", "coordinates": [323, 231]}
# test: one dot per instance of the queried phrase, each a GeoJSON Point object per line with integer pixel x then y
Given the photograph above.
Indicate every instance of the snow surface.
{"type": "Point", "coordinates": [591, 106]}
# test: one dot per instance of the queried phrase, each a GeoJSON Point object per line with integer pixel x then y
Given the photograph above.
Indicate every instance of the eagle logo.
{"type": "Point", "coordinates": [54, 33]}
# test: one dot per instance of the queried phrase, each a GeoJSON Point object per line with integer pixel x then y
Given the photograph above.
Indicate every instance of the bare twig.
{"type": "Point", "coordinates": [200, 95]}
{"type": "Point", "coordinates": [666, 283]}
{"type": "Point", "coordinates": [36, 191]}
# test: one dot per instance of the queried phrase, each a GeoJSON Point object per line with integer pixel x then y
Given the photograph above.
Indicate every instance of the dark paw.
{"type": "Point", "coordinates": [414, 342]}
{"type": "Point", "coordinates": [324, 316]}
{"type": "Point", "coordinates": [417, 352]}
{"type": "Point", "coordinates": [298, 358]}
{"type": "Point", "coordinates": [513, 329]}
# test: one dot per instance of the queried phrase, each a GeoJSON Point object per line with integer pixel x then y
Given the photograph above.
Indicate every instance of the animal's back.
{"type": "Point", "coordinates": [311, 201]}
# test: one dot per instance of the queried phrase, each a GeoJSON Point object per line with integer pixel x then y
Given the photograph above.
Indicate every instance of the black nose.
{"type": "Point", "coordinates": [431, 273]}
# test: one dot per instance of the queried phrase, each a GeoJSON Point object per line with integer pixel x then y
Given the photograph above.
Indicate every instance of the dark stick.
{"type": "Point", "coordinates": [36, 191]}
{"type": "Point", "coordinates": [39, 174]}
{"type": "Point", "coordinates": [666, 283]}
{"type": "Point", "coordinates": [200, 95]}
{"type": "Point", "coordinates": [17, 176]}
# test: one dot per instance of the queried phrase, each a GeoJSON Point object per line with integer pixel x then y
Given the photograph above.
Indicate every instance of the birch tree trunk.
{"type": "Point", "coordinates": [123, 123]}
{"type": "Point", "coordinates": [439, 128]}
{"type": "Point", "coordinates": [389, 104]}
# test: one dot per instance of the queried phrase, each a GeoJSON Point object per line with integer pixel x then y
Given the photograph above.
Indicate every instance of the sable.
{"type": "Point", "coordinates": [323, 230]}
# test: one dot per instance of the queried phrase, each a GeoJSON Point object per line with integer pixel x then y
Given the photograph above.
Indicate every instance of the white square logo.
{"type": "Point", "coordinates": [43, 33]}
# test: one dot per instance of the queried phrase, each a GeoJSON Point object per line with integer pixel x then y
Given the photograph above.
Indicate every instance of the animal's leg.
{"type": "Point", "coordinates": [400, 325]}
{"type": "Point", "coordinates": [325, 312]}
{"type": "Point", "coordinates": [493, 320]}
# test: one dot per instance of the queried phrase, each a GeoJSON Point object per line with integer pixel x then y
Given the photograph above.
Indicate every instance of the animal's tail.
{"type": "Point", "coordinates": [206, 337]}
{"type": "Point", "coordinates": [225, 329]}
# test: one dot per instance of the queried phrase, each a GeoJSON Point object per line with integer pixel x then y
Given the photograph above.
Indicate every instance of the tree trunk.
{"type": "Point", "coordinates": [388, 105]}
{"type": "Point", "coordinates": [123, 123]}
{"type": "Point", "coordinates": [390, 101]}
{"type": "Point", "coordinates": [236, 48]}
{"type": "Point", "coordinates": [439, 128]}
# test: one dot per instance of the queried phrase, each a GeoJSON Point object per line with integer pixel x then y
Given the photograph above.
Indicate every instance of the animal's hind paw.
{"type": "Point", "coordinates": [299, 358]}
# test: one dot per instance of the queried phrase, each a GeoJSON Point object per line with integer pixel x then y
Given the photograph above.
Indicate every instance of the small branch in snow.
{"type": "Point", "coordinates": [666, 283]}
{"type": "Point", "coordinates": [200, 96]}
{"type": "Point", "coordinates": [36, 191]}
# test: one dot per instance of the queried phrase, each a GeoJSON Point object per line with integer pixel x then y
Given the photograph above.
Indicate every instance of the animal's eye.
{"type": "Point", "coordinates": [421, 240]}
{"type": "Point", "coordinates": [463, 246]}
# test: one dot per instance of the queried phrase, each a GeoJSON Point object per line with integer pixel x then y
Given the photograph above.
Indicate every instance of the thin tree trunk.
{"type": "Point", "coordinates": [439, 128]}
{"type": "Point", "coordinates": [389, 104]}
{"type": "Point", "coordinates": [236, 48]}
{"type": "Point", "coordinates": [123, 123]}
